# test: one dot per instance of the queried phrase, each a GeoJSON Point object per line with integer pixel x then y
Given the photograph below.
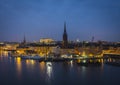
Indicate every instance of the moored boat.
{"type": "Point", "coordinates": [113, 63]}
{"type": "Point", "coordinates": [32, 57]}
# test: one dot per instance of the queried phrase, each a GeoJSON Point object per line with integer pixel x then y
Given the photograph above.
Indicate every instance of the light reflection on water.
{"type": "Point", "coordinates": [45, 67]}
{"type": "Point", "coordinates": [32, 72]}
{"type": "Point", "coordinates": [30, 62]}
{"type": "Point", "coordinates": [71, 64]}
{"type": "Point", "coordinates": [3, 53]}
{"type": "Point", "coordinates": [18, 66]}
{"type": "Point", "coordinates": [42, 66]}
{"type": "Point", "coordinates": [49, 70]}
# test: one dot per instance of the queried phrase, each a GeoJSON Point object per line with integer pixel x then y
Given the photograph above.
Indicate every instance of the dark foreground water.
{"type": "Point", "coordinates": [14, 71]}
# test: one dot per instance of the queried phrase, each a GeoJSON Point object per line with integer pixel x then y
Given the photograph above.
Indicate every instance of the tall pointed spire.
{"type": "Point", "coordinates": [24, 41]}
{"type": "Point", "coordinates": [64, 27]}
{"type": "Point", "coordinates": [65, 38]}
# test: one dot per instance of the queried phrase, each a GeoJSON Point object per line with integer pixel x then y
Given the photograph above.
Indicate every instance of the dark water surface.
{"type": "Point", "coordinates": [14, 71]}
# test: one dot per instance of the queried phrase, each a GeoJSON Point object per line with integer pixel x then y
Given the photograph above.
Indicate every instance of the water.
{"type": "Point", "coordinates": [14, 71]}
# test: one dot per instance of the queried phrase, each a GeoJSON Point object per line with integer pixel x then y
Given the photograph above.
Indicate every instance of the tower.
{"type": "Point", "coordinates": [65, 37]}
{"type": "Point", "coordinates": [24, 41]}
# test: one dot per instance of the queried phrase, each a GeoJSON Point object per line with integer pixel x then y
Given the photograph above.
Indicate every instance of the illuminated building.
{"type": "Point", "coordinates": [46, 40]}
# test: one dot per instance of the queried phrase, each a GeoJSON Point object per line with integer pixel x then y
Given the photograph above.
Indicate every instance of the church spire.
{"type": "Point", "coordinates": [24, 41]}
{"type": "Point", "coordinates": [65, 38]}
{"type": "Point", "coordinates": [64, 27]}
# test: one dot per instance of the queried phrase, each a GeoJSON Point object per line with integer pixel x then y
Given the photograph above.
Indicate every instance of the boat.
{"type": "Point", "coordinates": [113, 60]}
{"type": "Point", "coordinates": [113, 63]}
{"type": "Point", "coordinates": [48, 59]}
{"type": "Point", "coordinates": [32, 57]}
{"type": "Point", "coordinates": [61, 59]}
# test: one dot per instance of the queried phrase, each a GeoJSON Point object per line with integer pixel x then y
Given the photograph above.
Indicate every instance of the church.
{"type": "Point", "coordinates": [65, 37]}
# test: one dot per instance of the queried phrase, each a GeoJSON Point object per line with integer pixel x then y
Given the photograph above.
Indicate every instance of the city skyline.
{"type": "Point", "coordinates": [45, 19]}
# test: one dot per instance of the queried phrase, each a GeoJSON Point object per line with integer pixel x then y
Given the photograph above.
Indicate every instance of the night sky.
{"type": "Point", "coordinates": [45, 19]}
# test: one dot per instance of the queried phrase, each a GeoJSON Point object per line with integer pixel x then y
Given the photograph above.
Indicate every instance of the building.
{"type": "Point", "coordinates": [46, 40]}
{"type": "Point", "coordinates": [65, 37]}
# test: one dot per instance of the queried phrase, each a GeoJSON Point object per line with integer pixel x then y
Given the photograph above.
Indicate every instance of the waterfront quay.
{"type": "Point", "coordinates": [79, 52]}
{"type": "Point", "coordinates": [83, 61]}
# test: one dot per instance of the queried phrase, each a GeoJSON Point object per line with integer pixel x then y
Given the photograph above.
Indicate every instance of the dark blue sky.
{"type": "Point", "coordinates": [45, 18]}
